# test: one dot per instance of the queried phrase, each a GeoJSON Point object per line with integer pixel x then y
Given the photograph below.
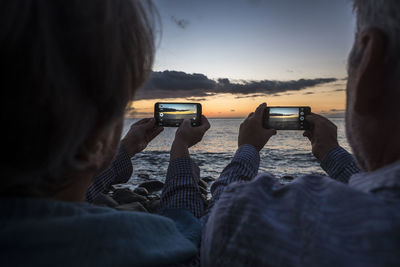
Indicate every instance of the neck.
{"type": "Point", "coordinates": [76, 190]}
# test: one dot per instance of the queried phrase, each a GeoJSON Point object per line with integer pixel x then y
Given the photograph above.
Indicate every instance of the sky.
{"type": "Point", "coordinates": [231, 55]}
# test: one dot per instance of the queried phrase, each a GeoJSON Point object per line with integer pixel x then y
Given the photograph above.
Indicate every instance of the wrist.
{"type": "Point", "coordinates": [179, 149]}
{"type": "Point", "coordinates": [325, 151]}
{"type": "Point", "coordinates": [130, 150]}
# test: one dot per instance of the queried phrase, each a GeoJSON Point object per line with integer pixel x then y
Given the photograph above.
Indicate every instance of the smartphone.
{"type": "Point", "coordinates": [286, 118]}
{"type": "Point", "coordinates": [172, 114]}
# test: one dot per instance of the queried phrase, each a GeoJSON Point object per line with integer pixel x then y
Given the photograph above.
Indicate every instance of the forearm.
{"type": "Point", "coordinates": [243, 167]}
{"type": "Point", "coordinates": [119, 171]}
{"type": "Point", "coordinates": [340, 165]}
{"type": "Point", "coordinates": [181, 185]}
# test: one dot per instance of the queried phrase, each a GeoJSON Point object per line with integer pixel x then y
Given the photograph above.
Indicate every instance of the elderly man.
{"type": "Point", "coordinates": [344, 220]}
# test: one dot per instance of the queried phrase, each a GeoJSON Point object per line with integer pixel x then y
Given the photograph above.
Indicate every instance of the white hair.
{"type": "Point", "coordinates": [385, 16]}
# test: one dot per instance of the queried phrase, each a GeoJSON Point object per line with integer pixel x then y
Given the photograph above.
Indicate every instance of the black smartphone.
{"type": "Point", "coordinates": [172, 114]}
{"type": "Point", "coordinates": [286, 118]}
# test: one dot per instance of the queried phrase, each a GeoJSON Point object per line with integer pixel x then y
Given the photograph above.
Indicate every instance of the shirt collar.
{"type": "Point", "coordinates": [386, 177]}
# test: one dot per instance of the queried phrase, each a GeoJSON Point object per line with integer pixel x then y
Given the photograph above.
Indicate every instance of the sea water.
{"type": "Point", "coordinates": [286, 154]}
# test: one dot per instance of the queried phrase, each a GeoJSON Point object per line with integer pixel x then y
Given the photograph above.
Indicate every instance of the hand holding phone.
{"type": "Point", "coordinates": [322, 135]}
{"type": "Point", "coordinates": [286, 118]}
{"type": "Point", "coordinates": [251, 131]}
{"type": "Point", "coordinates": [172, 114]}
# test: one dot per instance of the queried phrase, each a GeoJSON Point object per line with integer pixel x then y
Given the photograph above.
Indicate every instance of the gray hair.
{"type": "Point", "coordinates": [67, 67]}
{"type": "Point", "coordinates": [385, 16]}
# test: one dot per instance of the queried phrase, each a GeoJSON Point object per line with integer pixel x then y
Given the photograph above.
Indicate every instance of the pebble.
{"type": "Point", "coordinates": [123, 196]}
{"type": "Point", "coordinates": [134, 206]}
{"type": "Point", "coordinates": [141, 191]}
{"type": "Point", "coordinates": [105, 200]}
{"type": "Point", "coordinates": [203, 191]}
{"type": "Point", "coordinates": [152, 205]}
{"type": "Point", "coordinates": [287, 178]}
{"type": "Point", "coordinates": [203, 184]}
{"type": "Point", "coordinates": [143, 176]}
{"type": "Point", "coordinates": [152, 186]}
{"type": "Point", "coordinates": [208, 179]}
{"type": "Point", "coordinates": [154, 196]}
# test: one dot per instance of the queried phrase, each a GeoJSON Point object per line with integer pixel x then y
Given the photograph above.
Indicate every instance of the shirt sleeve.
{"type": "Point", "coordinates": [119, 171]}
{"type": "Point", "coordinates": [243, 167]}
{"type": "Point", "coordinates": [340, 164]}
{"type": "Point", "coordinates": [181, 188]}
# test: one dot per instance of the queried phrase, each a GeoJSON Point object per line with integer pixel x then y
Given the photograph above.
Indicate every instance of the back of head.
{"type": "Point", "coordinates": [384, 16]}
{"type": "Point", "coordinates": [373, 87]}
{"type": "Point", "coordinates": [67, 67]}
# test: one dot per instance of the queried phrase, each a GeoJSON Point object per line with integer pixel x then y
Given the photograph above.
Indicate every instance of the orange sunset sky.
{"type": "Point", "coordinates": [328, 99]}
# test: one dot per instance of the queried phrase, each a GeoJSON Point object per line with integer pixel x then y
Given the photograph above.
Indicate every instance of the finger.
{"type": "Point", "coordinates": [308, 134]}
{"type": "Point", "coordinates": [149, 124]}
{"type": "Point", "coordinates": [250, 114]}
{"type": "Point", "coordinates": [311, 119]}
{"type": "Point", "coordinates": [185, 124]}
{"type": "Point", "coordinates": [154, 133]}
{"type": "Point", "coordinates": [205, 124]}
{"type": "Point", "coordinates": [142, 121]}
{"type": "Point", "coordinates": [270, 132]}
{"type": "Point", "coordinates": [260, 111]}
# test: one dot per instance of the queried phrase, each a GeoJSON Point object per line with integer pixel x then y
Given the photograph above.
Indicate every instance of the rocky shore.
{"type": "Point", "coordinates": [145, 197]}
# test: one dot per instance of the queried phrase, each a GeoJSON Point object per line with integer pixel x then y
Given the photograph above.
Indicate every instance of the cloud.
{"type": "Point", "coordinates": [249, 96]}
{"type": "Point", "coordinates": [232, 110]}
{"type": "Point", "coordinates": [177, 84]}
{"type": "Point", "coordinates": [194, 99]}
{"type": "Point", "coordinates": [340, 90]}
{"type": "Point", "coordinates": [181, 23]}
{"type": "Point", "coordinates": [131, 112]}
{"type": "Point", "coordinates": [309, 93]}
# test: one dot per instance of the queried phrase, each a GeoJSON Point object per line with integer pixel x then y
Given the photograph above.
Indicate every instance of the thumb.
{"type": "Point", "coordinates": [307, 134]}
{"type": "Point", "coordinates": [185, 123]}
{"type": "Point", "coordinates": [270, 132]}
{"type": "Point", "coordinates": [149, 124]}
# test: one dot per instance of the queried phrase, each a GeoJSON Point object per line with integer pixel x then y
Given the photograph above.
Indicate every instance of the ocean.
{"type": "Point", "coordinates": [286, 154]}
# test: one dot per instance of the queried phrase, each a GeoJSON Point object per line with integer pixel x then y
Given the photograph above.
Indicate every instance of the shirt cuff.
{"type": "Point", "coordinates": [181, 167]}
{"type": "Point", "coordinates": [181, 187]}
{"type": "Point", "coordinates": [339, 164]}
{"type": "Point", "coordinates": [122, 166]}
{"type": "Point", "coordinates": [248, 154]}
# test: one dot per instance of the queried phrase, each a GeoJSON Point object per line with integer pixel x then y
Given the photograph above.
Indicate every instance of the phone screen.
{"type": "Point", "coordinates": [172, 114]}
{"type": "Point", "coordinates": [287, 118]}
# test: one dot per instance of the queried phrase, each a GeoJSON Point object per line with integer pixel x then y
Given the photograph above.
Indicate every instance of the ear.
{"type": "Point", "coordinates": [371, 73]}
{"type": "Point", "coordinates": [99, 147]}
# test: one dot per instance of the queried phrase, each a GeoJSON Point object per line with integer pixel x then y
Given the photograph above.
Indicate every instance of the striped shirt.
{"type": "Point", "coordinates": [349, 219]}
{"type": "Point", "coordinates": [119, 171]}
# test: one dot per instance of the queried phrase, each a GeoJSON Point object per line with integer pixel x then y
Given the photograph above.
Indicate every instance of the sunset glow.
{"type": "Point", "coordinates": [328, 99]}
{"type": "Point", "coordinates": [230, 56]}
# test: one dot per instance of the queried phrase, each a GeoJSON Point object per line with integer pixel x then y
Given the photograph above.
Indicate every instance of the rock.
{"type": "Point", "coordinates": [141, 191]}
{"type": "Point", "coordinates": [203, 191]}
{"type": "Point", "coordinates": [152, 205]}
{"type": "Point", "coordinates": [143, 176]}
{"type": "Point", "coordinates": [135, 206]}
{"type": "Point", "coordinates": [205, 201]}
{"type": "Point", "coordinates": [208, 179]}
{"type": "Point", "coordinates": [152, 186]}
{"type": "Point", "coordinates": [287, 178]}
{"type": "Point", "coordinates": [153, 197]}
{"type": "Point", "coordinates": [105, 200]}
{"type": "Point", "coordinates": [123, 196]}
{"type": "Point", "coordinates": [203, 184]}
